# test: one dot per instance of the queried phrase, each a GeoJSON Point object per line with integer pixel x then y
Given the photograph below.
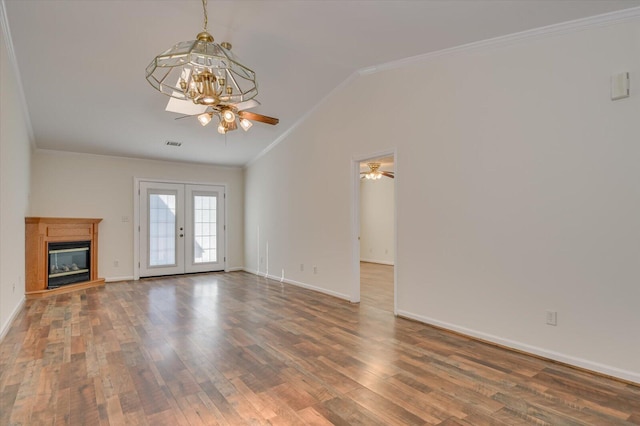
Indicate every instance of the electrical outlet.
{"type": "Point", "coordinates": [315, 269]}
{"type": "Point", "coordinates": [552, 318]}
{"type": "Point", "coordinates": [125, 218]}
{"type": "Point", "coordinates": [116, 263]}
{"type": "Point", "coordinates": [302, 267]}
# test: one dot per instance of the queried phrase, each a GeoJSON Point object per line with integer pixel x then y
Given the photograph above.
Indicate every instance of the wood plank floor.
{"type": "Point", "coordinates": [239, 349]}
{"type": "Point", "coordinates": [376, 286]}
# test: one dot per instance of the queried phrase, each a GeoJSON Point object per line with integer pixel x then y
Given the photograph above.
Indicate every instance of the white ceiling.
{"type": "Point", "coordinates": [82, 62]}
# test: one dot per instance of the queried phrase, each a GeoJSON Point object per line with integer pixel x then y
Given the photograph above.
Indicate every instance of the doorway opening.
{"type": "Point", "coordinates": [374, 250]}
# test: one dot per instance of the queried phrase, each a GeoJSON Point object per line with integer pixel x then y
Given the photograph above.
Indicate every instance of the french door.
{"type": "Point", "coordinates": [181, 228]}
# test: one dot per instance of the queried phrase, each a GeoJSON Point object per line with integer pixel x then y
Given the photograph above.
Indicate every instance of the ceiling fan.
{"type": "Point", "coordinates": [206, 79]}
{"type": "Point", "coordinates": [229, 115]}
{"type": "Point", "coordinates": [374, 173]}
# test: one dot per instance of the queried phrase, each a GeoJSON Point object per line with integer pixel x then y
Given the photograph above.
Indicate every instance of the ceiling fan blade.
{"type": "Point", "coordinates": [251, 103]}
{"type": "Point", "coordinates": [184, 107]}
{"type": "Point", "coordinates": [388, 174]}
{"type": "Point", "coordinates": [186, 116]}
{"type": "Point", "coordinates": [258, 117]}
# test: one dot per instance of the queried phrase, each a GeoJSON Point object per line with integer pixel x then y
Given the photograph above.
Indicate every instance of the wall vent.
{"type": "Point", "coordinates": [173, 143]}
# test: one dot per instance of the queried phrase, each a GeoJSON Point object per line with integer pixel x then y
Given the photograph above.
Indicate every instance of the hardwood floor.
{"type": "Point", "coordinates": [376, 286]}
{"type": "Point", "coordinates": [239, 349]}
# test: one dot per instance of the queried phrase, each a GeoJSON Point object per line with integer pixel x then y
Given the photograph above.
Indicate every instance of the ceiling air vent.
{"type": "Point", "coordinates": [173, 143]}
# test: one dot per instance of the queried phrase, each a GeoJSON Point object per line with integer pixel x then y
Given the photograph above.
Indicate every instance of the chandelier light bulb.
{"type": "Point", "coordinates": [221, 129]}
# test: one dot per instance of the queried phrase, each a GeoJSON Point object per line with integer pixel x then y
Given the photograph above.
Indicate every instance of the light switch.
{"type": "Point", "coordinates": [620, 86]}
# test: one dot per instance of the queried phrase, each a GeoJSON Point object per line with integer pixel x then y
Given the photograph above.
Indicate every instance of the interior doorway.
{"type": "Point", "coordinates": [375, 231]}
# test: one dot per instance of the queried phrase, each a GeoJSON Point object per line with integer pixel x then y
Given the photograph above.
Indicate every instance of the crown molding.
{"type": "Point", "coordinates": [509, 39]}
{"type": "Point", "coordinates": [536, 33]}
{"type": "Point", "coordinates": [13, 62]}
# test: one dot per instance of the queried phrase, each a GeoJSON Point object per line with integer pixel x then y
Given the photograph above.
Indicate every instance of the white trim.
{"type": "Point", "coordinates": [117, 279]}
{"type": "Point", "coordinates": [7, 325]}
{"type": "Point", "coordinates": [235, 269]}
{"type": "Point", "coordinates": [379, 262]}
{"type": "Point", "coordinates": [13, 62]}
{"type": "Point", "coordinates": [299, 284]}
{"type": "Point", "coordinates": [136, 229]}
{"type": "Point", "coordinates": [355, 223]}
{"type": "Point", "coordinates": [536, 33]}
{"type": "Point", "coordinates": [545, 353]}
{"type": "Point", "coordinates": [355, 231]}
{"type": "Point", "coordinates": [150, 160]}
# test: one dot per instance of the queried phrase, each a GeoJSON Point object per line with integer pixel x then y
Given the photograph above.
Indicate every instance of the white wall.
{"type": "Point", "coordinates": [376, 221]}
{"type": "Point", "coordinates": [82, 185]}
{"type": "Point", "coordinates": [15, 151]}
{"type": "Point", "coordinates": [517, 192]}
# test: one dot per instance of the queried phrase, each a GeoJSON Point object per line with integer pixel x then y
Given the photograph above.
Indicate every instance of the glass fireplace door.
{"type": "Point", "coordinates": [68, 263]}
{"type": "Point", "coordinates": [181, 228]}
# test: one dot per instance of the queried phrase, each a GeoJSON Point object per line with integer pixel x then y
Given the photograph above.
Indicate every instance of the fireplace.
{"type": "Point", "coordinates": [69, 263]}
{"type": "Point", "coordinates": [61, 255]}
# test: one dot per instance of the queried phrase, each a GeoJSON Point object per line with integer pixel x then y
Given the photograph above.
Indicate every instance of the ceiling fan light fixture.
{"type": "Point", "coordinates": [231, 125]}
{"type": "Point", "coordinates": [375, 173]}
{"type": "Point", "coordinates": [221, 129]}
{"type": "Point", "coordinates": [245, 124]}
{"type": "Point", "coordinates": [228, 115]}
{"type": "Point", "coordinates": [205, 118]}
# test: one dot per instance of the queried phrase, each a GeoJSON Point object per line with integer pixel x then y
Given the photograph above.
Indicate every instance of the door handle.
{"type": "Point", "coordinates": [181, 235]}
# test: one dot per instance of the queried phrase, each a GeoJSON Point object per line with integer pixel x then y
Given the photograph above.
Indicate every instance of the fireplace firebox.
{"type": "Point", "coordinates": [69, 263]}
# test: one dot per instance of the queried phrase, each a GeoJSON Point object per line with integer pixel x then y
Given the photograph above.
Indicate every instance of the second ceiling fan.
{"type": "Point", "coordinates": [375, 173]}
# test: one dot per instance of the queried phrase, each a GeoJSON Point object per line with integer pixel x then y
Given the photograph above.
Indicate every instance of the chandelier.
{"type": "Point", "coordinates": [202, 71]}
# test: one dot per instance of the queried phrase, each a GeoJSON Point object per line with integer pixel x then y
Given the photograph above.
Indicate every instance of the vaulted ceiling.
{"type": "Point", "coordinates": [82, 62]}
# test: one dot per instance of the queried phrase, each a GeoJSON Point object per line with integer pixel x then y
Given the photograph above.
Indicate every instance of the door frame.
{"type": "Point", "coordinates": [136, 217]}
{"type": "Point", "coordinates": [355, 223]}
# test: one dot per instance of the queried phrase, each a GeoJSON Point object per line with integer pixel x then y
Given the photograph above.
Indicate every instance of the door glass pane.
{"type": "Point", "coordinates": [204, 220]}
{"type": "Point", "coordinates": [162, 229]}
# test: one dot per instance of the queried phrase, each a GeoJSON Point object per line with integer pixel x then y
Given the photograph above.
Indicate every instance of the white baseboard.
{"type": "Point", "coordinates": [7, 325]}
{"type": "Point", "coordinates": [115, 279]}
{"type": "Point", "coordinates": [300, 284]}
{"type": "Point", "coordinates": [381, 262]}
{"type": "Point", "coordinates": [234, 269]}
{"type": "Point", "coordinates": [555, 356]}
